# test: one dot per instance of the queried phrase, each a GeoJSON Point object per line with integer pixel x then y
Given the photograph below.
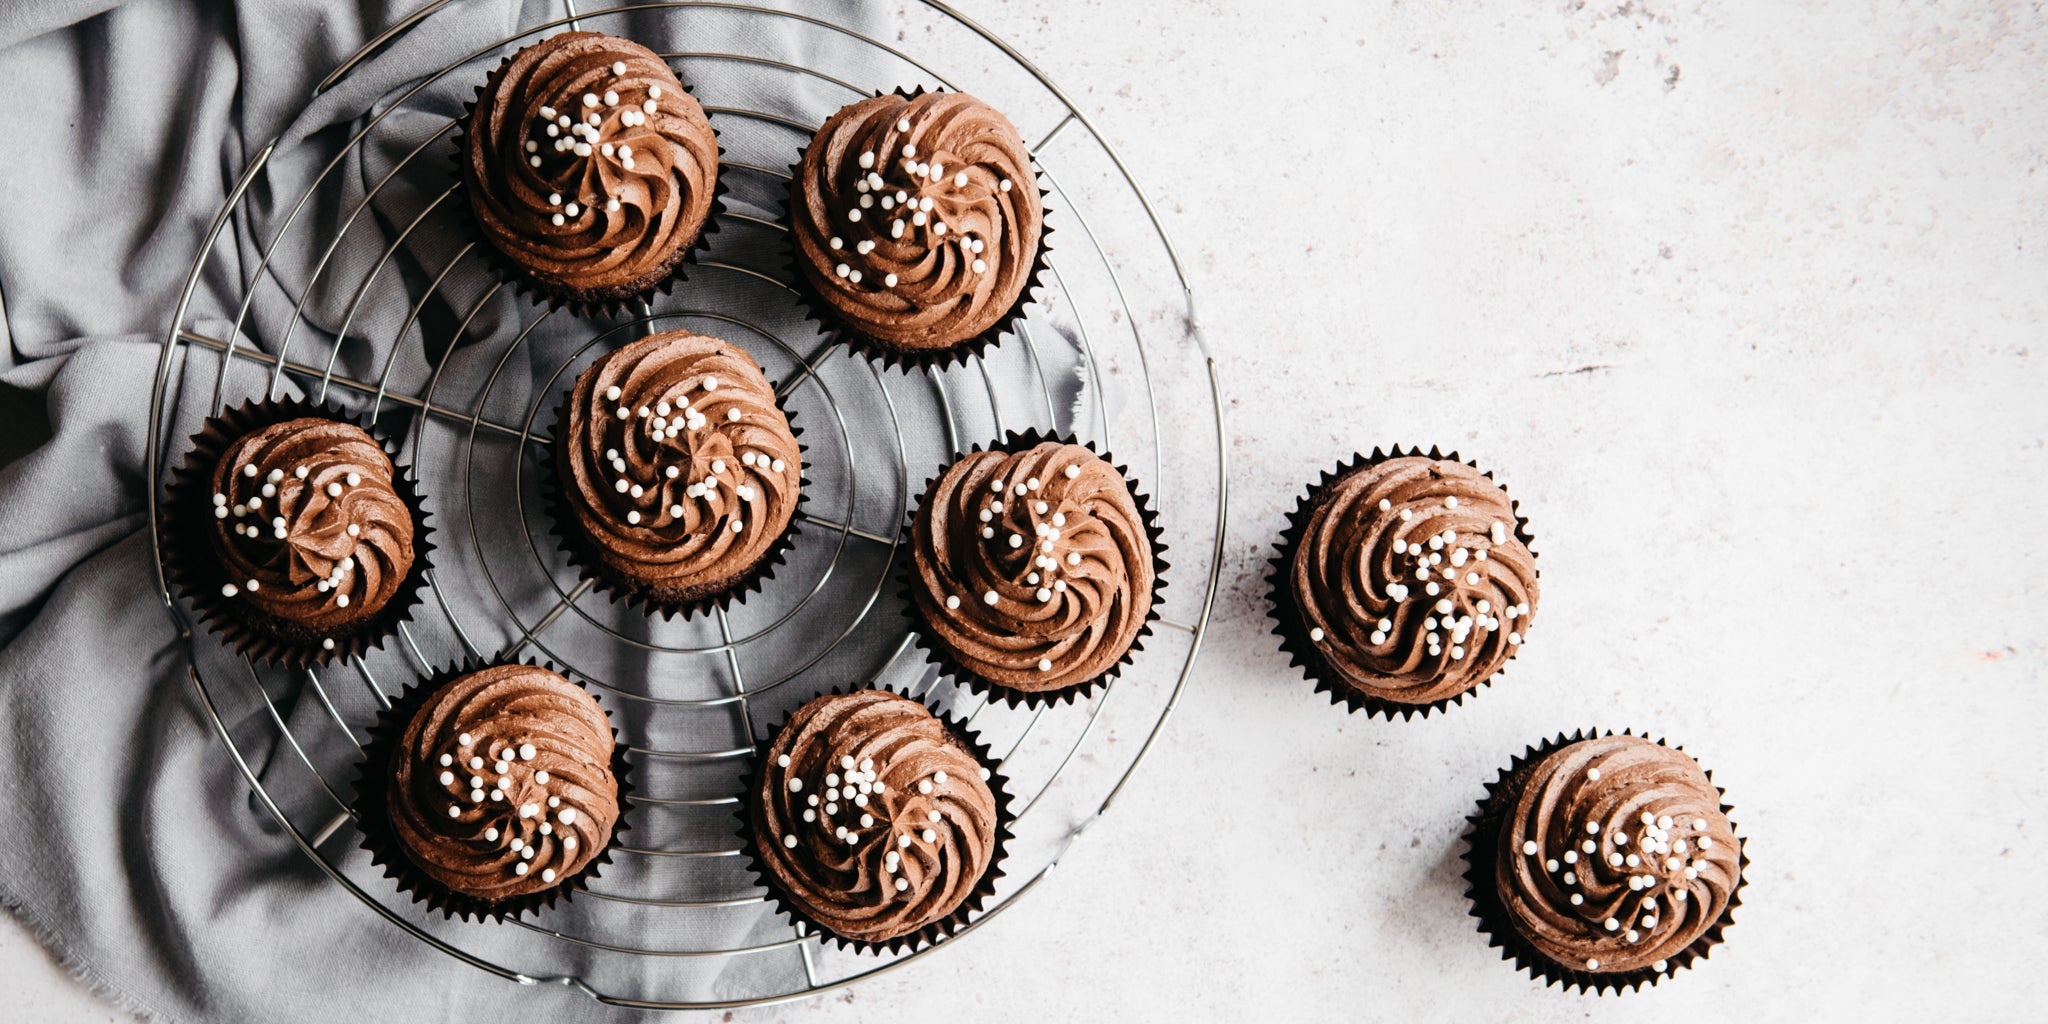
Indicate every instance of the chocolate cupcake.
{"type": "Point", "coordinates": [1603, 862]}
{"type": "Point", "coordinates": [488, 791]}
{"type": "Point", "coordinates": [1404, 582]}
{"type": "Point", "coordinates": [293, 533]}
{"type": "Point", "coordinates": [677, 474]}
{"type": "Point", "coordinates": [918, 226]}
{"type": "Point", "coordinates": [1034, 569]}
{"type": "Point", "coordinates": [875, 821]}
{"type": "Point", "coordinates": [590, 172]}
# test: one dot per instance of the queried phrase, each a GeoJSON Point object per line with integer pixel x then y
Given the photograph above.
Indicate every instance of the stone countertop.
{"type": "Point", "coordinates": [1740, 300]}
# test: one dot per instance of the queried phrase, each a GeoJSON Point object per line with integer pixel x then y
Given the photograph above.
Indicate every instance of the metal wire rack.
{"type": "Point", "coordinates": [690, 695]}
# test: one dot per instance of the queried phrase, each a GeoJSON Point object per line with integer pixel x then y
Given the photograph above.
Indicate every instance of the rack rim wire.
{"type": "Point", "coordinates": [180, 337]}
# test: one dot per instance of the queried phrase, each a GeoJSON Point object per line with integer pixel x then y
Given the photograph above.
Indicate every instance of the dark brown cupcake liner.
{"type": "Point", "coordinates": [935, 652]}
{"type": "Point", "coordinates": [193, 569]}
{"type": "Point", "coordinates": [539, 292]}
{"type": "Point", "coordinates": [583, 554]}
{"type": "Point", "coordinates": [373, 816]}
{"type": "Point", "coordinates": [1482, 851]}
{"type": "Point", "coordinates": [820, 312]}
{"type": "Point", "coordinates": [1302, 652]}
{"type": "Point", "coordinates": [931, 934]}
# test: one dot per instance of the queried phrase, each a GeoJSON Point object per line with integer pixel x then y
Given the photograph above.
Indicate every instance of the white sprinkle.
{"type": "Point", "coordinates": [1316, 634]}
{"type": "Point", "coordinates": [796, 785]}
{"type": "Point", "coordinates": [1004, 184]}
{"type": "Point", "coordinates": [1529, 847]}
{"type": "Point", "coordinates": [1045, 664]}
{"type": "Point", "coordinates": [930, 836]}
{"type": "Point", "coordinates": [590, 99]}
{"type": "Point", "coordinates": [789, 842]}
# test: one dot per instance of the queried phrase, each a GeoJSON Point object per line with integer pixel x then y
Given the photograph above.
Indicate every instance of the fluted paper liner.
{"type": "Point", "coordinates": [1482, 850]}
{"type": "Point", "coordinates": [956, 354]}
{"type": "Point", "coordinates": [192, 565]}
{"type": "Point", "coordinates": [930, 934]}
{"type": "Point", "coordinates": [1294, 633]}
{"type": "Point", "coordinates": [582, 552]}
{"type": "Point", "coordinates": [542, 293]}
{"type": "Point", "coordinates": [373, 816]}
{"type": "Point", "coordinates": [936, 652]}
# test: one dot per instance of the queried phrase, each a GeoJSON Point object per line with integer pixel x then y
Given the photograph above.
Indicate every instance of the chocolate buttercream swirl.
{"type": "Point", "coordinates": [589, 166]}
{"type": "Point", "coordinates": [308, 529]}
{"type": "Point", "coordinates": [1412, 579]}
{"type": "Point", "coordinates": [1616, 855]}
{"type": "Point", "coordinates": [677, 463]}
{"type": "Point", "coordinates": [917, 221]}
{"type": "Point", "coordinates": [501, 784]}
{"type": "Point", "coordinates": [1033, 569]}
{"type": "Point", "coordinates": [871, 816]}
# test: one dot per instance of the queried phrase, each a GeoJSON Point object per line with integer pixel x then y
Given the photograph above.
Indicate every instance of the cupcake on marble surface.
{"type": "Point", "coordinates": [1404, 581]}
{"type": "Point", "coordinates": [676, 473]}
{"type": "Point", "coordinates": [917, 225]}
{"type": "Point", "coordinates": [1604, 862]}
{"type": "Point", "coordinates": [1034, 569]}
{"type": "Point", "coordinates": [489, 791]}
{"type": "Point", "coordinates": [875, 821]}
{"type": "Point", "coordinates": [293, 533]}
{"type": "Point", "coordinates": [590, 172]}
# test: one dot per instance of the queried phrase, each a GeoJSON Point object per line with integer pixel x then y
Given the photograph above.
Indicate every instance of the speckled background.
{"type": "Point", "coordinates": [1740, 300]}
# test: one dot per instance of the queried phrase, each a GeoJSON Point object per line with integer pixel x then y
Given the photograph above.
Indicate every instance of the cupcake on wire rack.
{"type": "Point", "coordinates": [1034, 569]}
{"type": "Point", "coordinates": [917, 226]}
{"type": "Point", "coordinates": [590, 173]}
{"type": "Point", "coordinates": [1603, 861]}
{"type": "Point", "coordinates": [875, 821]}
{"type": "Point", "coordinates": [492, 790]}
{"type": "Point", "coordinates": [294, 534]}
{"type": "Point", "coordinates": [1404, 581]}
{"type": "Point", "coordinates": [676, 474]}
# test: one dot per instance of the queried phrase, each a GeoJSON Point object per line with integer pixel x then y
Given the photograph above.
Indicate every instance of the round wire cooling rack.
{"type": "Point", "coordinates": [395, 319]}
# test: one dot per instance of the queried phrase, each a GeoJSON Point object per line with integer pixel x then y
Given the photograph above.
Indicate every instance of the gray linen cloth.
{"type": "Point", "coordinates": [132, 845]}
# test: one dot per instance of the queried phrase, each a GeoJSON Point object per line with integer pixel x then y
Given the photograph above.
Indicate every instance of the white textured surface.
{"type": "Point", "coordinates": [1740, 299]}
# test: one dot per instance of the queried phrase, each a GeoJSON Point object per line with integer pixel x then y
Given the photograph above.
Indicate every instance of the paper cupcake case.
{"type": "Point", "coordinates": [820, 312]}
{"type": "Point", "coordinates": [931, 934]}
{"type": "Point", "coordinates": [951, 667]}
{"type": "Point", "coordinates": [539, 292]}
{"type": "Point", "coordinates": [192, 568]}
{"type": "Point", "coordinates": [1302, 652]}
{"type": "Point", "coordinates": [1482, 842]}
{"type": "Point", "coordinates": [582, 553]}
{"type": "Point", "coordinates": [373, 815]}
